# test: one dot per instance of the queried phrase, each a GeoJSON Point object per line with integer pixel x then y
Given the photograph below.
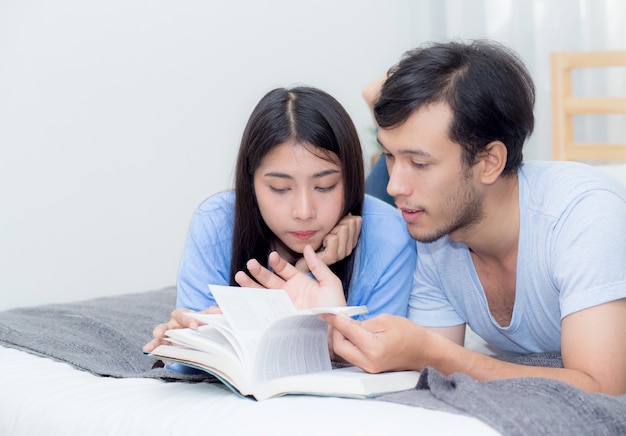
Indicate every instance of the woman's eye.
{"type": "Point", "coordinates": [278, 190]}
{"type": "Point", "coordinates": [326, 188]}
{"type": "Point", "coordinates": [419, 165]}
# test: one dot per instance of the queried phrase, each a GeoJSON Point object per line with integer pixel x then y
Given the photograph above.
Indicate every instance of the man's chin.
{"type": "Point", "coordinates": [425, 238]}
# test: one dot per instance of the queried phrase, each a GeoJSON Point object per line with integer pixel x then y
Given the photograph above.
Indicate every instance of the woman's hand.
{"type": "Point", "coordinates": [178, 320]}
{"type": "Point", "coordinates": [338, 243]}
{"type": "Point", "coordinates": [305, 292]}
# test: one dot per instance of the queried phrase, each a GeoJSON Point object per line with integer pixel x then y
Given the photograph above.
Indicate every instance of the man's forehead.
{"type": "Point", "coordinates": [424, 133]}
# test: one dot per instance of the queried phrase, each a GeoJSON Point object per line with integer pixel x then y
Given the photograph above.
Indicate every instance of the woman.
{"type": "Point", "coordinates": [299, 181]}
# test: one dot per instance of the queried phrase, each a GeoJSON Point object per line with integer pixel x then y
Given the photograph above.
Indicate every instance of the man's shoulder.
{"type": "Point", "coordinates": [562, 181]}
{"type": "Point", "coordinates": [565, 173]}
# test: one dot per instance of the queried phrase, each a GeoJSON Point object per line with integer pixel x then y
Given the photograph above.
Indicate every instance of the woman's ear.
{"type": "Point", "coordinates": [493, 161]}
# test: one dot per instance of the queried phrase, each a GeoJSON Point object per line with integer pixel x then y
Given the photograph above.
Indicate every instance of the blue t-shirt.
{"type": "Point", "coordinates": [383, 268]}
{"type": "Point", "coordinates": [571, 256]}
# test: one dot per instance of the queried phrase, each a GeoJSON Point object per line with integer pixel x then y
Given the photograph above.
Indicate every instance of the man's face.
{"type": "Point", "coordinates": [433, 189]}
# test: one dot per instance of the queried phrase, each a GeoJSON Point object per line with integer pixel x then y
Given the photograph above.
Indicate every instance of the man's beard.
{"type": "Point", "coordinates": [462, 210]}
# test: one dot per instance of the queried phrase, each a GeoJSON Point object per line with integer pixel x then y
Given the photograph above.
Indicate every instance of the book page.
{"type": "Point", "coordinates": [256, 308]}
{"type": "Point", "coordinates": [252, 309]}
{"type": "Point", "coordinates": [293, 346]}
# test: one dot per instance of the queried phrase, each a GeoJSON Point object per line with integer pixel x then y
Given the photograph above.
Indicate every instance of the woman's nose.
{"type": "Point", "coordinates": [304, 207]}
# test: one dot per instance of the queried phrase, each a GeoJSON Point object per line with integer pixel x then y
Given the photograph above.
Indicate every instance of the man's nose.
{"type": "Point", "coordinates": [398, 184]}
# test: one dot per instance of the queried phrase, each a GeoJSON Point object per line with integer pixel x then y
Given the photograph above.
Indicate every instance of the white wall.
{"type": "Point", "coordinates": [117, 118]}
{"type": "Point", "coordinates": [534, 29]}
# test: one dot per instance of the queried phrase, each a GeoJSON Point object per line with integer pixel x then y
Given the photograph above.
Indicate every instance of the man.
{"type": "Point", "coordinates": [531, 256]}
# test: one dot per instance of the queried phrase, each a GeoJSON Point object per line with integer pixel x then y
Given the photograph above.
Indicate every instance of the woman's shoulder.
{"type": "Point", "coordinates": [222, 201]}
{"type": "Point", "coordinates": [383, 221]}
{"type": "Point", "coordinates": [376, 208]}
{"type": "Point", "coordinates": [216, 212]}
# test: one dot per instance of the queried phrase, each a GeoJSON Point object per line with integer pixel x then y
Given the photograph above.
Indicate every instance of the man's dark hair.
{"type": "Point", "coordinates": [487, 87]}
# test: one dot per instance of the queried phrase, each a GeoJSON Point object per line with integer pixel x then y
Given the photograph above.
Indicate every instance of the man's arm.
{"type": "Point", "coordinates": [593, 349]}
{"type": "Point", "coordinates": [593, 340]}
{"type": "Point", "coordinates": [593, 343]}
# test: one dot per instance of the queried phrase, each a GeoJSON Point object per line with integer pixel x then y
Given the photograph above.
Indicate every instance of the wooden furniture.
{"type": "Point", "coordinates": [565, 105]}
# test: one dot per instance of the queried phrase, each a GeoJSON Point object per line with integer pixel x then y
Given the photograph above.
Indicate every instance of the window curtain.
{"type": "Point", "coordinates": [534, 28]}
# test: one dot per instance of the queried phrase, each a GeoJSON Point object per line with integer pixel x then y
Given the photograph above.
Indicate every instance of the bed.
{"type": "Point", "coordinates": [76, 369]}
{"type": "Point", "coordinates": [44, 397]}
{"type": "Point", "coordinates": [110, 388]}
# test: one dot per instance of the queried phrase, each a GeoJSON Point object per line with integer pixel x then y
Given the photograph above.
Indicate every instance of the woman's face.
{"type": "Point", "coordinates": [300, 195]}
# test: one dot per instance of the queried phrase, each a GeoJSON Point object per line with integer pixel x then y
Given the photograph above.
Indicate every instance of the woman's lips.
{"type": "Point", "coordinates": [305, 235]}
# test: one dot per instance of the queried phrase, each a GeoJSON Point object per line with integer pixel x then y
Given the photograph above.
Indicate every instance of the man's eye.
{"type": "Point", "coordinates": [419, 165]}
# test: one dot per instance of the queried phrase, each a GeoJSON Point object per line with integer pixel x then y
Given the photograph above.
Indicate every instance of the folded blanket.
{"type": "Point", "coordinates": [523, 406]}
{"type": "Point", "coordinates": [103, 336]}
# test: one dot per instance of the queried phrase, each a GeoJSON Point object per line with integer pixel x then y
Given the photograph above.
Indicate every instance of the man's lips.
{"type": "Point", "coordinates": [411, 215]}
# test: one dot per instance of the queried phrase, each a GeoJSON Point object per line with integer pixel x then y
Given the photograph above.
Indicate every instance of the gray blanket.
{"type": "Point", "coordinates": [524, 406]}
{"type": "Point", "coordinates": [105, 336]}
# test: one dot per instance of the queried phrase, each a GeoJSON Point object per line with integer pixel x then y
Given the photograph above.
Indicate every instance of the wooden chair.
{"type": "Point", "coordinates": [565, 106]}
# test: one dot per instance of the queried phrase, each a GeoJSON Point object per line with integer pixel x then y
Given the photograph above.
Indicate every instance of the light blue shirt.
{"type": "Point", "coordinates": [571, 256]}
{"type": "Point", "coordinates": [383, 267]}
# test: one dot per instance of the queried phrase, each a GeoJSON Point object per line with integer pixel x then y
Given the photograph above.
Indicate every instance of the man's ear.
{"type": "Point", "coordinates": [493, 161]}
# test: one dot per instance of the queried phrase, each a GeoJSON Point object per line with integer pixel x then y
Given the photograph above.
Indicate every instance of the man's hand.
{"type": "Point", "coordinates": [382, 343]}
{"type": "Point", "coordinates": [304, 291]}
{"type": "Point", "coordinates": [178, 320]}
{"type": "Point", "coordinates": [338, 243]}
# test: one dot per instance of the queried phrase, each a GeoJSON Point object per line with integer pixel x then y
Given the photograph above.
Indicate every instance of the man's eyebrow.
{"type": "Point", "coordinates": [417, 152]}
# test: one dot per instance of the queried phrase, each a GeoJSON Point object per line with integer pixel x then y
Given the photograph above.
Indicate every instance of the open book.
{"type": "Point", "coordinates": [262, 347]}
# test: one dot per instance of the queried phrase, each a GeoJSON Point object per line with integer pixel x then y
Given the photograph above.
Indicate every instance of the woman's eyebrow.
{"type": "Point", "coordinates": [325, 173]}
{"type": "Point", "coordinates": [279, 175]}
{"type": "Point", "coordinates": [314, 176]}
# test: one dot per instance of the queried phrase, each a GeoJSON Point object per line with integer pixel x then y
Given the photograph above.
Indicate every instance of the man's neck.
{"type": "Point", "coordinates": [495, 237]}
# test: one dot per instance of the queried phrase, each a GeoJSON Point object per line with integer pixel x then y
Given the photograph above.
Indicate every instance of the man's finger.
{"type": "Point", "coordinates": [348, 336]}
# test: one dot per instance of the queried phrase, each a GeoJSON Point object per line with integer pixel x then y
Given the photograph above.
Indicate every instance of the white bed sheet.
{"type": "Point", "coordinates": [39, 396]}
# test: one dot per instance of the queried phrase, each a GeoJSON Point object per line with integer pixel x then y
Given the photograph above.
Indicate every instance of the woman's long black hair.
{"type": "Point", "coordinates": [309, 117]}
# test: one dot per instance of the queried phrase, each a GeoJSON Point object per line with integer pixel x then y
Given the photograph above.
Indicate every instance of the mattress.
{"type": "Point", "coordinates": [41, 396]}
